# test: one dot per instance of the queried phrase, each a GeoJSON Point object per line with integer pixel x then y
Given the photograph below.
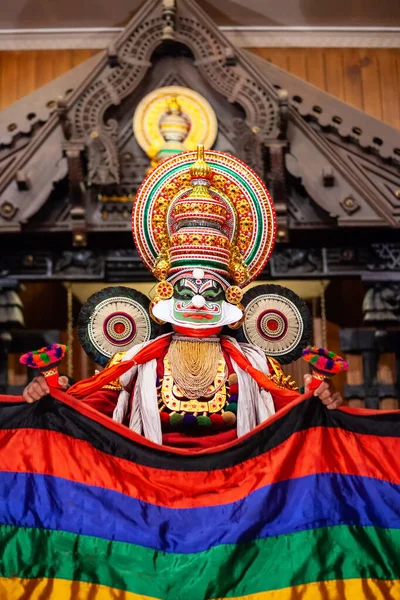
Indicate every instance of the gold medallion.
{"type": "Point", "coordinates": [171, 120]}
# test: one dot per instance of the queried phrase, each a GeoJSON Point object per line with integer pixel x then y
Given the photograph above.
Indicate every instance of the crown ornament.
{"type": "Point", "coordinates": [174, 128]}
{"type": "Point", "coordinates": [196, 224]}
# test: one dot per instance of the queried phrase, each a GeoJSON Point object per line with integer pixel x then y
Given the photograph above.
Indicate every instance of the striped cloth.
{"type": "Point", "coordinates": [306, 506]}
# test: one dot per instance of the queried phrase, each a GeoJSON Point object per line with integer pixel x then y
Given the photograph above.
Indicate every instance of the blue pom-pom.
{"type": "Point", "coordinates": [189, 421]}
{"type": "Point", "coordinates": [329, 365]}
{"type": "Point", "coordinates": [233, 398]}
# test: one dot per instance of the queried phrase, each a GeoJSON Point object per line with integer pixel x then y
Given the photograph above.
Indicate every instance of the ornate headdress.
{"type": "Point", "coordinates": [213, 213]}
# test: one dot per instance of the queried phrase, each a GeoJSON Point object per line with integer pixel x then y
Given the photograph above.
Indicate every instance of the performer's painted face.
{"type": "Point", "coordinates": [198, 301]}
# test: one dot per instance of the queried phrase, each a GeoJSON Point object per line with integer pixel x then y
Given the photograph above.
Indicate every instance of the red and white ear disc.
{"type": "Point", "coordinates": [277, 321]}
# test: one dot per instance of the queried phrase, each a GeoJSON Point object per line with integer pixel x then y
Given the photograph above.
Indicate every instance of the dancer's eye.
{"type": "Point", "coordinates": [184, 295]}
{"type": "Point", "coordinates": [213, 296]}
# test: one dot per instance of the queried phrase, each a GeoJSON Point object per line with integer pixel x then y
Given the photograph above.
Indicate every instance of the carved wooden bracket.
{"type": "Point", "coordinates": [277, 186]}
{"type": "Point", "coordinates": [66, 123]}
{"type": "Point", "coordinates": [73, 151]}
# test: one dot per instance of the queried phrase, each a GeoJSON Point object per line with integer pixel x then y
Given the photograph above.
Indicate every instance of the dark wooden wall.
{"type": "Point", "coordinates": [368, 79]}
{"type": "Point", "coordinates": [22, 72]}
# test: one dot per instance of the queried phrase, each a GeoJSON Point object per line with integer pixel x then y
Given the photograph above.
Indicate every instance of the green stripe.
{"type": "Point", "coordinates": [199, 262]}
{"type": "Point", "coordinates": [170, 151]}
{"type": "Point", "coordinates": [224, 571]}
{"type": "Point", "coordinates": [260, 223]}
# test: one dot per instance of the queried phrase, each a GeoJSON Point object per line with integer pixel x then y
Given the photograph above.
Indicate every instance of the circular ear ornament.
{"type": "Point", "coordinates": [277, 321]}
{"type": "Point", "coordinates": [113, 320]}
{"type": "Point", "coordinates": [234, 294]}
{"type": "Point", "coordinates": [164, 290]}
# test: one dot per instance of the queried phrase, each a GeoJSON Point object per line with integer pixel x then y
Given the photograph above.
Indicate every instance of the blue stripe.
{"type": "Point", "coordinates": [324, 500]}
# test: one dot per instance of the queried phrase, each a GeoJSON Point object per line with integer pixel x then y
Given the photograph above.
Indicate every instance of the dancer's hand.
{"type": "Point", "coordinates": [38, 388]}
{"type": "Point", "coordinates": [325, 393]}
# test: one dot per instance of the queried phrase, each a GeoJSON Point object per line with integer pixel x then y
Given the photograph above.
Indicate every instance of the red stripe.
{"type": "Point", "coordinates": [4, 398]}
{"type": "Point", "coordinates": [352, 410]}
{"type": "Point", "coordinates": [53, 453]}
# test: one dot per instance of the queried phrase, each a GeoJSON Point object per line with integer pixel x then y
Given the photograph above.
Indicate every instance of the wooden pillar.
{"type": "Point", "coordinates": [387, 376]}
{"type": "Point", "coordinates": [355, 377]}
{"type": "Point", "coordinates": [374, 360]}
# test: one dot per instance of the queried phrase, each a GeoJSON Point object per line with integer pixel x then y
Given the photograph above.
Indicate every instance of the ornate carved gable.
{"type": "Point", "coordinates": [327, 165]}
{"type": "Point", "coordinates": [88, 133]}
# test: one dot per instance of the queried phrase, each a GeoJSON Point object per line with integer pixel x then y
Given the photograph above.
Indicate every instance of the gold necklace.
{"type": "Point", "coordinates": [213, 402]}
{"type": "Point", "coordinates": [194, 365]}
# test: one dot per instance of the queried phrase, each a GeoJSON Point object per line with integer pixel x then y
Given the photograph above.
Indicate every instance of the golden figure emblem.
{"type": "Point", "coordinates": [171, 120]}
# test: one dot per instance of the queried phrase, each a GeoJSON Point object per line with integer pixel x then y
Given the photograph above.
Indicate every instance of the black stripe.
{"type": "Point", "coordinates": [53, 415]}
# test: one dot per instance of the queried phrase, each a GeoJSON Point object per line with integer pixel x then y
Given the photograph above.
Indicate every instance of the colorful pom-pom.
{"type": "Point", "coordinates": [233, 379]}
{"type": "Point", "coordinates": [44, 357]}
{"type": "Point", "coordinates": [175, 419]}
{"type": "Point", "coordinates": [217, 421]}
{"type": "Point", "coordinates": [189, 421]}
{"type": "Point", "coordinates": [229, 418]}
{"type": "Point", "coordinates": [232, 406]}
{"type": "Point", "coordinates": [323, 361]}
{"type": "Point", "coordinates": [204, 421]}
{"type": "Point", "coordinates": [164, 416]}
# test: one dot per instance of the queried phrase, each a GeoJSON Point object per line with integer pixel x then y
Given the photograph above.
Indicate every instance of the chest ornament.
{"type": "Point", "coordinates": [211, 410]}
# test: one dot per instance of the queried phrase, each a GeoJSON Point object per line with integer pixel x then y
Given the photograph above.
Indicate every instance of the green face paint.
{"type": "Point", "coordinates": [198, 301]}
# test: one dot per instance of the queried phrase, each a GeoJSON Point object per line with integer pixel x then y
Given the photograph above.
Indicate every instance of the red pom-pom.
{"type": "Point", "coordinates": [164, 416]}
{"type": "Point", "coordinates": [217, 421]}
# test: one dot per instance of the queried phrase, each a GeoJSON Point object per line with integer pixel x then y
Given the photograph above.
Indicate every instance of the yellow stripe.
{"type": "Point", "coordinates": [61, 589]}
{"type": "Point", "coordinates": [342, 589]}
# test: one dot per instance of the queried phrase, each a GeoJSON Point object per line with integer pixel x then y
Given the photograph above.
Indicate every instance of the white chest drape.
{"type": "Point", "coordinates": [254, 404]}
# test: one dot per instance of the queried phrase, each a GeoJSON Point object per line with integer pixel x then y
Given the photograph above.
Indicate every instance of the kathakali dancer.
{"type": "Point", "coordinates": [199, 364]}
